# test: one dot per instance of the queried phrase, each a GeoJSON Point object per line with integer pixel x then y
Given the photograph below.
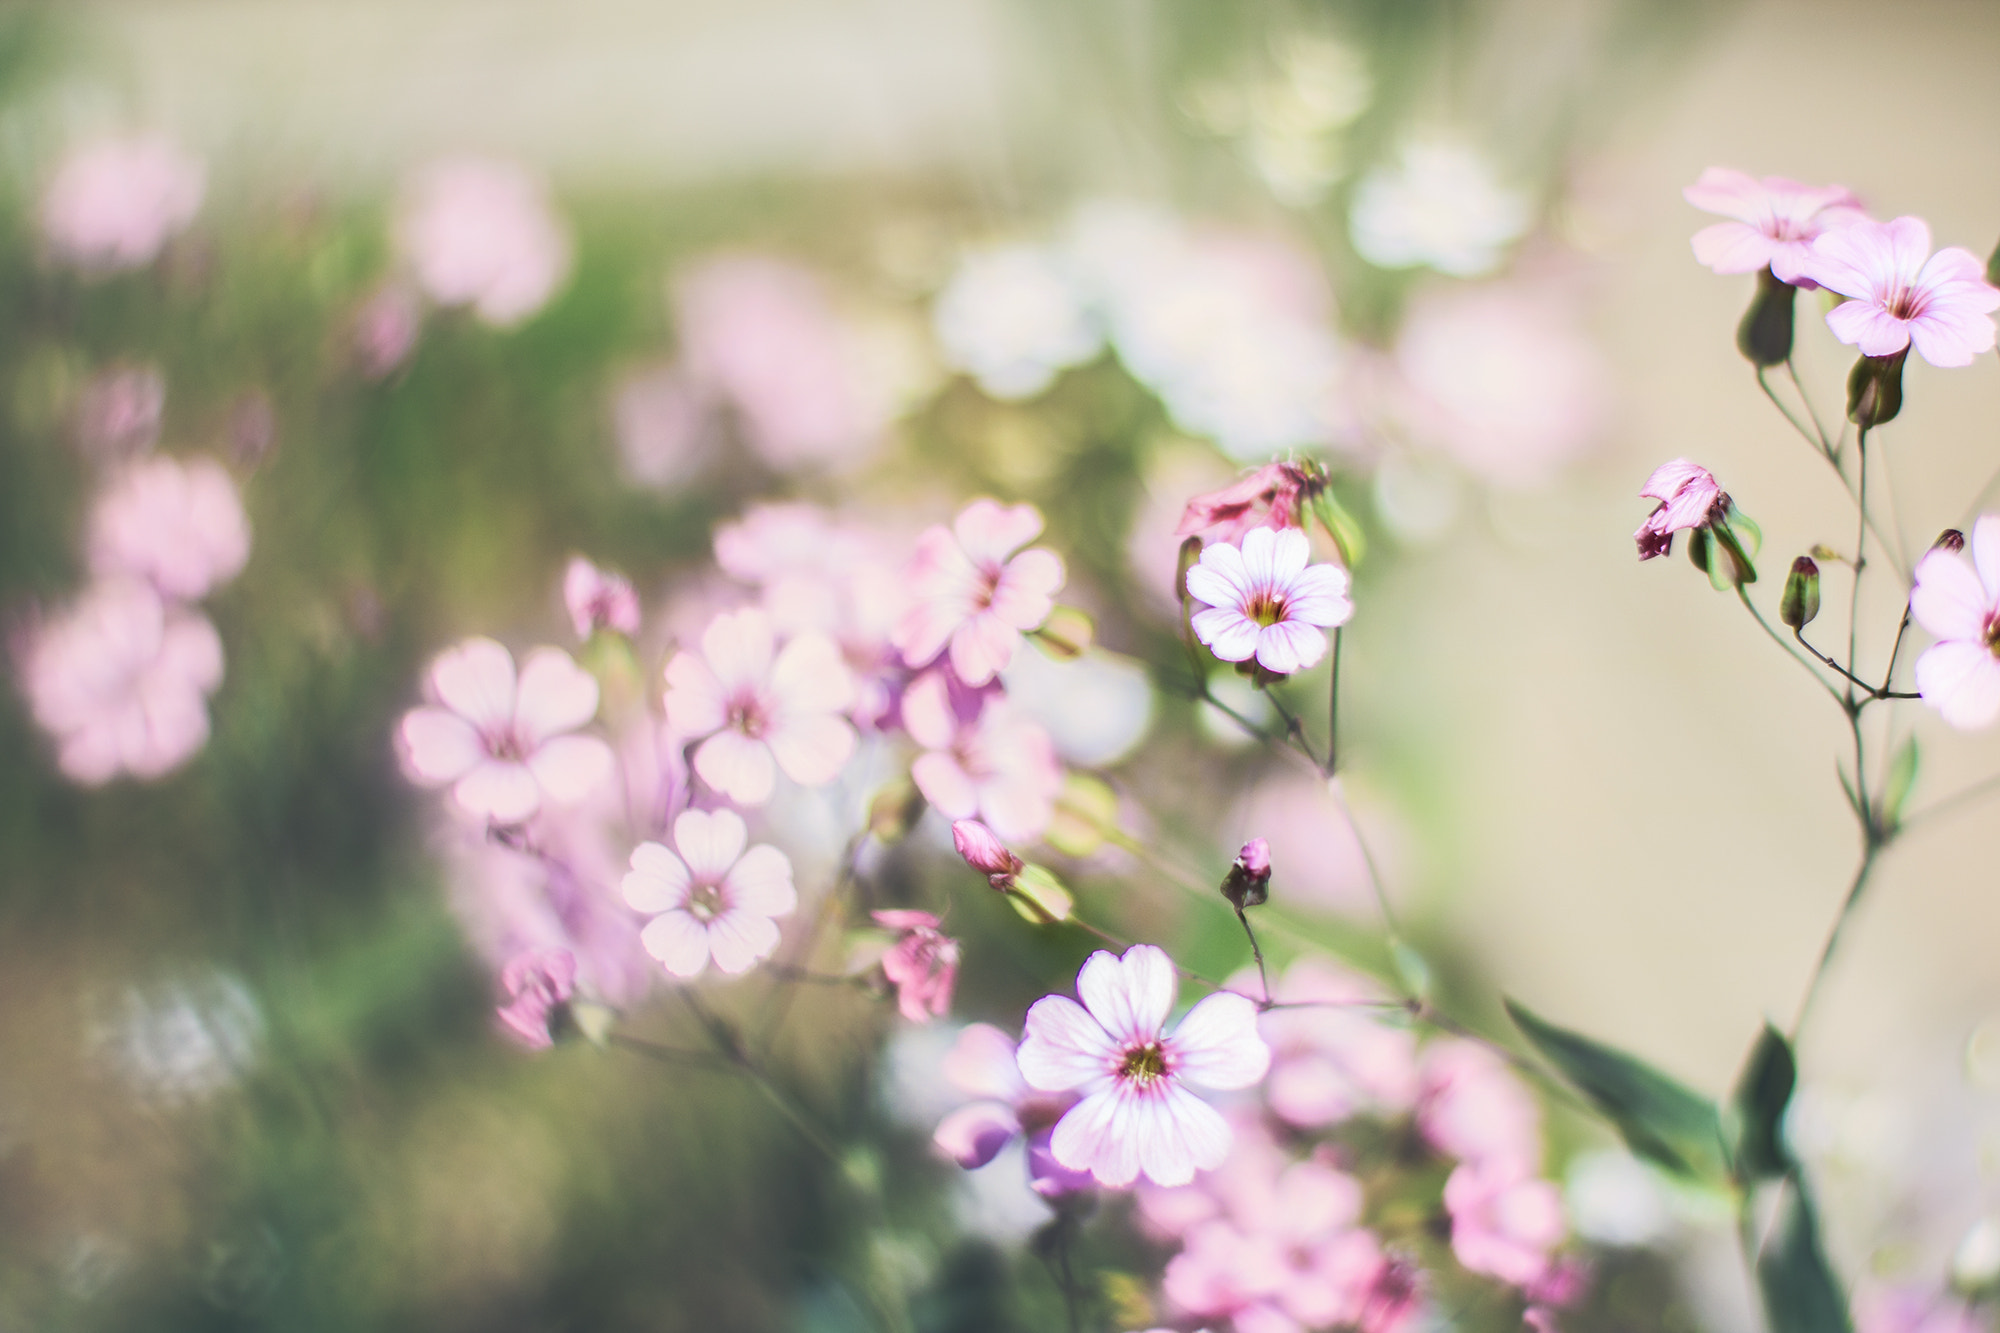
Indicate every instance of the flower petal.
{"type": "Point", "coordinates": [1064, 1047]}
{"type": "Point", "coordinates": [738, 646]}
{"type": "Point", "coordinates": [990, 531]}
{"type": "Point", "coordinates": [736, 766]}
{"type": "Point", "coordinates": [945, 784]}
{"type": "Point", "coordinates": [1130, 996]}
{"type": "Point", "coordinates": [738, 940]}
{"type": "Point", "coordinates": [439, 745]}
{"type": "Point", "coordinates": [1229, 634]}
{"type": "Point", "coordinates": [1290, 646]}
{"type": "Point", "coordinates": [1178, 1133]}
{"type": "Point", "coordinates": [761, 882]}
{"type": "Point", "coordinates": [570, 768]}
{"type": "Point", "coordinates": [981, 1064]}
{"type": "Point", "coordinates": [1096, 1136]}
{"type": "Point", "coordinates": [1986, 559]}
{"type": "Point", "coordinates": [555, 695]}
{"type": "Point", "coordinates": [503, 793]}
{"type": "Point", "coordinates": [1962, 681]}
{"type": "Point", "coordinates": [810, 676]}
{"type": "Point", "coordinates": [973, 1135]}
{"type": "Point", "coordinates": [696, 701]}
{"type": "Point", "coordinates": [679, 941]}
{"type": "Point", "coordinates": [658, 881]}
{"type": "Point", "coordinates": [1948, 599]}
{"type": "Point", "coordinates": [476, 681]}
{"type": "Point", "coordinates": [811, 748]}
{"type": "Point", "coordinates": [709, 841]}
{"type": "Point", "coordinates": [1217, 1046]}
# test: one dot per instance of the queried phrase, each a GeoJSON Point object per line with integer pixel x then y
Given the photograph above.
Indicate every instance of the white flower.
{"type": "Point", "coordinates": [1442, 207]}
{"type": "Point", "coordinates": [1011, 319]}
{"type": "Point", "coordinates": [1265, 601]}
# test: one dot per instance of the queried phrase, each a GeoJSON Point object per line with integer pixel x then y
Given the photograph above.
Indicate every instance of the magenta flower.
{"type": "Point", "coordinates": [1263, 600]}
{"type": "Point", "coordinates": [922, 966]}
{"type": "Point", "coordinates": [1687, 494]}
{"type": "Point", "coordinates": [1959, 675]}
{"type": "Point", "coordinates": [599, 599]}
{"type": "Point", "coordinates": [982, 759]}
{"type": "Point", "coordinates": [114, 203]}
{"type": "Point", "coordinates": [179, 526]}
{"type": "Point", "coordinates": [537, 984]}
{"type": "Point", "coordinates": [480, 233]}
{"type": "Point", "coordinates": [761, 708]}
{"type": "Point", "coordinates": [502, 742]}
{"type": "Point", "coordinates": [714, 901]}
{"type": "Point", "coordinates": [1503, 1223]}
{"type": "Point", "coordinates": [1137, 1114]}
{"type": "Point", "coordinates": [973, 594]}
{"type": "Point", "coordinates": [1776, 221]}
{"type": "Point", "coordinates": [1266, 498]}
{"type": "Point", "coordinates": [121, 681]}
{"type": "Point", "coordinates": [1902, 294]}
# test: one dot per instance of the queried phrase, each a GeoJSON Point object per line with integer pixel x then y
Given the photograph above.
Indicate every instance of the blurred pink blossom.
{"type": "Point", "coordinates": [714, 901]}
{"type": "Point", "coordinates": [113, 203]}
{"type": "Point", "coordinates": [761, 708]}
{"type": "Point", "coordinates": [973, 595]}
{"type": "Point", "coordinates": [1138, 1114]}
{"type": "Point", "coordinates": [1266, 498]}
{"type": "Point", "coordinates": [1776, 220]}
{"type": "Point", "coordinates": [661, 419]}
{"type": "Point", "coordinates": [981, 1065]}
{"type": "Point", "coordinates": [505, 744]}
{"type": "Point", "coordinates": [118, 413]}
{"type": "Point", "coordinates": [179, 526]}
{"type": "Point", "coordinates": [1263, 600]}
{"type": "Point", "coordinates": [598, 599]}
{"type": "Point", "coordinates": [121, 681]}
{"type": "Point", "coordinates": [983, 850]}
{"type": "Point", "coordinates": [981, 758]}
{"type": "Point", "coordinates": [1911, 1308]}
{"type": "Point", "coordinates": [537, 984]}
{"type": "Point", "coordinates": [1504, 1222]}
{"type": "Point", "coordinates": [1333, 1057]}
{"type": "Point", "coordinates": [1687, 494]}
{"type": "Point", "coordinates": [1959, 604]}
{"type": "Point", "coordinates": [1473, 1107]}
{"type": "Point", "coordinates": [1902, 295]}
{"type": "Point", "coordinates": [480, 232]}
{"type": "Point", "coordinates": [385, 329]}
{"type": "Point", "coordinates": [922, 966]}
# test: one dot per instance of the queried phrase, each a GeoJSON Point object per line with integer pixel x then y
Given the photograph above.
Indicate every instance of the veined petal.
{"type": "Point", "coordinates": [1948, 599]}
{"type": "Point", "coordinates": [1948, 337]}
{"type": "Point", "coordinates": [1223, 563]}
{"type": "Point", "coordinates": [476, 681]}
{"type": "Point", "coordinates": [1027, 588]}
{"type": "Point", "coordinates": [554, 695]}
{"type": "Point", "coordinates": [1093, 1136]}
{"type": "Point", "coordinates": [1178, 1134]}
{"type": "Point", "coordinates": [1868, 327]}
{"type": "Point", "coordinates": [709, 841]}
{"type": "Point", "coordinates": [1289, 646]}
{"type": "Point", "coordinates": [1229, 634]}
{"type": "Point", "coordinates": [736, 766]}
{"type": "Point", "coordinates": [761, 881]}
{"type": "Point", "coordinates": [679, 941]}
{"type": "Point", "coordinates": [1217, 1046]}
{"type": "Point", "coordinates": [1064, 1047]}
{"type": "Point", "coordinates": [658, 881]}
{"type": "Point", "coordinates": [738, 940]}
{"type": "Point", "coordinates": [1260, 558]}
{"type": "Point", "coordinates": [1130, 996]}
{"type": "Point", "coordinates": [1962, 681]}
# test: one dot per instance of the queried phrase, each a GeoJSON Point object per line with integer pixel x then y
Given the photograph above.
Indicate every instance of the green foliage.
{"type": "Point", "coordinates": [1757, 1108]}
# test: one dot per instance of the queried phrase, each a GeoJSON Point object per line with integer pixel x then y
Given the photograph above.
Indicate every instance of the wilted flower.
{"type": "Point", "coordinates": [1137, 1114]}
{"type": "Point", "coordinates": [1687, 494]}
{"type": "Point", "coordinates": [922, 965]}
{"type": "Point", "coordinates": [1959, 604]}
{"type": "Point", "coordinates": [1267, 498]}
{"type": "Point", "coordinates": [973, 594]}
{"type": "Point", "coordinates": [598, 599]}
{"type": "Point", "coordinates": [982, 759]}
{"type": "Point", "coordinates": [179, 526]}
{"type": "Point", "coordinates": [1441, 206]}
{"type": "Point", "coordinates": [761, 708]}
{"type": "Point", "coordinates": [714, 900]}
{"type": "Point", "coordinates": [1902, 294]}
{"type": "Point", "coordinates": [504, 743]}
{"type": "Point", "coordinates": [480, 233]}
{"type": "Point", "coordinates": [1263, 600]}
{"type": "Point", "coordinates": [537, 984]}
{"type": "Point", "coordinates": [112, 204]}
{"type": "Point", "coordinates": [1011, 317]}
{"type": "Point", "coordinates": [1776, 221]}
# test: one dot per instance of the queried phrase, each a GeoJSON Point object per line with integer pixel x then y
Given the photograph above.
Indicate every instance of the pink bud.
{"type": "Point", "coordinates": [598, 599]}
{"type": "Point", "coordinates": [1255, 858]}
{"type": "Point", "coordinates": [984, 852]}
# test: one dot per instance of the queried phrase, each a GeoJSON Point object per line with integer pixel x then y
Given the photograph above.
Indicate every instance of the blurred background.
{"type": "Point", "coordinates": [248, 1077]}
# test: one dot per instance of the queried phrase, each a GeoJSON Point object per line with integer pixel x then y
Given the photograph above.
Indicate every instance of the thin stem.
{"type": "Point", "coordinates": [1389, 923]}
{"type": "Point", "coordinates": [1816, 438]}
{"type": "Point", "coordinates": [670, 1055]}
{"type": "Point", "coordinates": [1895, 650]}
{"type": "Point", "coordinates": [1860, 563]}
{"type": "Point", "coordinates": [1806, 398]}
{"type": "Point", "coordinates": [1256, 952]}
{"type": "Point", "coordinates": [1785, 643]}
{"type": "Point", "coordinates": [1870, 851]}
{"type": "Point", "coordinates": [1873, 692]}
{"type": "Point", "coordinates": [1072, 1304]}
{"type": "Point", "coordinates": [1333, 706]}
{"type": "Point", "coordinates": [1295, 731]}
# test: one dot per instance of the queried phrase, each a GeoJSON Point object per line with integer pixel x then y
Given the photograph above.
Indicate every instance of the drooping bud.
{"type": "Point", "coordinates": [1800, 600]}
{"type": "Point", "coordinates": [984, 852]}
{"type": "Point", "coordinates": [1951, 539]}
{"type": "Point", "coordinates": [1875, 389]}
{"type": "Point", "coordinates": [1765, 335]}
{"type": "Point", "coordinates": [1734, 542]}
{"type": "Point", "coordinates": [1248, 883]}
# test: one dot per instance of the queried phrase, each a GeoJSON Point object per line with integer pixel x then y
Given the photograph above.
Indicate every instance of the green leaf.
{"type": "Point", "coordinates": [1759, 1105]}
{"type": "Point", "coordinates": [1661, 1119]}
{"type": "Point", "coordinates": [1902, 777]}
{"type": "Point", "coordinates": [1801, 1293]}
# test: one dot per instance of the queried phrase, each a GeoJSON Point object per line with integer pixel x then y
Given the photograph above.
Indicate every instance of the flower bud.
{"type": "Point", "coordinates": [1765, 335]}
{"type": "Point", "coordinates": [1800, 601]}
{"type": "Point", "coordinates": [1340, 525]}
{"type": "Point", "coordinates": [1190, 557]}
{"type": "Point", "coordinates": [984, 852]}
{"type": "Point", "coordinates": [1248, 883]}
{"type": "Point", "coordinates": [1951, 539]}
{"type": "Point", "coordinates": [1875, 389]}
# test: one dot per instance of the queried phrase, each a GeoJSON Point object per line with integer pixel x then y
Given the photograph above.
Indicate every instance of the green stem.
{"type": "Point", "coordinates": [1333, 707]}
{"type": "Point", "coordinates": [1786, 644]}
{"type": "Point", "coordinates": [1263, 977]}
{"type": "Point", "coordinates": [1870, 852]}
{"type": "Point", "coordinates": [1860, 562]}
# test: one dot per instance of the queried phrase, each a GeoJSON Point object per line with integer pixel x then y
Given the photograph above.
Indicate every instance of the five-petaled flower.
{"type": "Point", "coordinates": [1687, 494]}
{"type": "Point", "coordinates": [504, 742]}
{"type": "Point", "coordinates": [714, 901]}
{"type": "Point", "coordinates": [1137, 1114]}
{"type": "Point", "coordinates": [1263, 600]}
{"type": "Point", "coordinates": [1776, 221]}
{"type": "Point", "coordinates": [1903, 295]}
{"type": "Point", "coordinates": [972, 595]}
{"type": "Point", "coordinates": [1959, 675]}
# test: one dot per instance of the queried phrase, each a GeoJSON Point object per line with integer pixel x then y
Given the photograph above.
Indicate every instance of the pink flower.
{"type": "Point", "coordinates": [1912, 1308]}
{"type": "Point", "coordinates": [1776, 222]}
{"type": "Point", "coordinates": [981, 1064]}
{"type": "Point", "coordinates": [599, 599]}
{"type": "Point", "coordinates": [112, 204]}
{"type": "Point", "coordinates": [1903, 295]}
{"type": "Point", "coordinates": [759, 706]}
{"type": "Point", "coordinates": [122, 681]}
{"type": "Point", "coordinates": [503, 743]}
{"type": "Point", "coordinates": [1332, 1057]}
{"type": "Point", "coordinates": [480, 233]}
{"type": "Point", "coordinates": [118, 413]}
{"type": "Point", "coordinates": [537, 984]}
{"type": "Point", "coordinates": [981, 759]}
{"type": "Point", "coordinates": [1264, 601]}
{"type": "Point", "coordinates": [971, 597]}
{"type": "Point", "coordinates": [713, 901]}
{"type": "Point", "coordinates": [1267, 498]}
{"type": "Point", "coordinates": [1137, 1114]}
{"type": "Point", "coordinates": [1503, 1223]}
{"type": "Point", "coordinates": [385, 329]}
{"type": "Point", "coordinates": [1687, 495]}
{"type": "Point", "coordinates": [923, 965]}
{"type": "Point", "coordinates": [1959, 604]}
{"type": "Point", "coordinates": [177, 525]}
{"type": "Point", "coordinates": [661, 420]}
{"type": "Point", "coordinates": [1473, 1107]}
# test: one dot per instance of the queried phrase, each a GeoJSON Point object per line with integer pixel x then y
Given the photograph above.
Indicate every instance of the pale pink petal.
{"type": "Point", "coordinates": [1130, 996]}
{"type": "Point", "coordinates": [1672, 479]}
{"type": "Point", "coordinates": [1290, 550]}
{"type": "Point", "coordinates": [1948, 599]}
{"type": "Point", "coordinates": [1948, 337]}
{"type": "Point", "coordinates": [571, 767]}
{"type": "Point", "coordinates": [1909, 246]}
{"type": "Point", "coordinates": [1955, 264]}
{"type": "Point", "coordinates": [990, 531]}
{"type": "Point", "coordinates": [1962, 681]}
{"type": "Point", "coordinates": [1019, 809]}
{"type": "Point", "coordinates": [1986, 559]}
{"type": "Point", "coordinates": [1217, 1045]}
{"type": "Point", "coordinates": [1290, 646]}
{"type": "Point", "coordinates": [439, 745]}
{"type": "Point", "coordinates": [973, 1135]}
{"type": "Point", "coordinates": [981, 1064]}
{"type": "Point", "coordinates": [1223, 564]}
{"type": "Point", "coordinates": [1847, 260]}
{"type": "Point", "coordinates": [737, 766]}
{"type": "Point", "coordinates": [924, 630]}
{"type": "Point", "coordinates": [1027, 588]}
{"type": "Point", "coordinates": [927, 712]}
{"type": "Point", "coordinates": [982, 647]}
{"type": "Point", "coordinates": [812, 749]}
{"type": "Point", "coordinates": [1868, 328]}
{"type": "Point", "coordinates": [761, 882]}
{"type": "Point", "coordinates": [476, 681]}
{"type": "Point", "coordinates": [738, 646]}
{"type": "Point", "coordinates": [554, 695]}
{"type": "Point", "coordinates": [504, 793]}
{"type": "Point", "coordinates": [1260, 556]}
{"type": "Point", "coordinates": [1727, 191]}
{"type": "Point", "coordinates": [696, 702]}
{"type": "Point", "coordinates": [810, 676]}
{"type": "Point", "coordinates": [1318, 596]}
{"type": "Point", "coordinates": [1093, 1136]}
{"type": "Point", "coordinates": [1732, 247]}
{"type": "Point", "coordinates": [1063, 1048]}
{"type": "Point", "coordinates": [658, 882]}
{"type": "Point", "coordinates": [1229, 634]}
{"type": "Point", "coordinates": [945, 785]}
{"type": "Point", "coordinates": [739, 940]}
{"type": "Point", "coordinates": [709, 841]}
{"type": "Point", "coordinates": [1181, 1135]}
{"type": "Point", "coordinates": [679, 941]}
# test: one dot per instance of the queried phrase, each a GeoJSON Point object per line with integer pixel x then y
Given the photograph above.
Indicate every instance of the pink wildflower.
{"type": "Point", "coordinates": [177, 525]}
{"type": "Point", "coordinates": [982, 759]}
{"type": "Point", "coordinates": [385, 329]}
{"type": "Point", "coordinates": [1264, 601]}
{"type": "Point", "coordinates": [1503, 1223]}
{"type": "Point", "coordinates": [1472, 1106]}
{"type": "Point", "coordinates": [1959, 604]}
{"type": "Point", "coordinates": [537, 985]}
{"type": "Point", "coordinates": [121, 681]}
{"type": "Point", "coordinates": [661, 420]}
{"type": "Point", "coordinates": [981, 1064]}
{"type": "Point", "coordinates": [1266, 498]}
{"type": "Point", "coordinates": [1137, 1114]}
{"type": "Point", "coordinates": [1332, 1057]}
{"type": "Point", "coordinates": [503, 742]}
{"type": "Point", "coordinates": [1687, 495]}
{"type": "Point", "coordinates": [760, 706]}
{"type": "Point", "coordinates": [713, 901]}
{"type": "Point", "coordinates": [599, 599]}
{"type": "Point", "coordinates": [1903, 295]}
{"type": "Point", "coordinates": [1776, 221]}
{"type": "Point", "coordinates": [923, 965]}
{"type": "Point", "coordinates": [118, 413]}
{"type": "Point", "coordinates": [971, 597]}
{"type": "Point", "coordinates": [480, 233]}
{"type": "Point", "coordinates": [112, 204]}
